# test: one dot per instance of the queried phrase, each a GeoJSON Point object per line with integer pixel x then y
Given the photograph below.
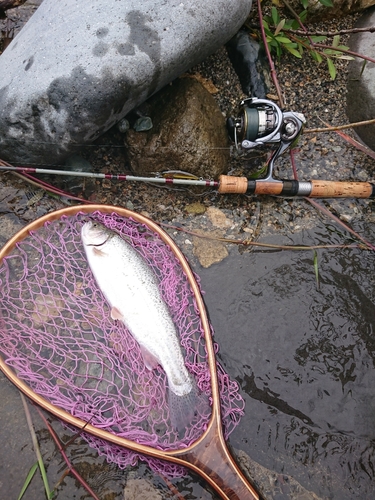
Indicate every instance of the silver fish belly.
{"type": "Point", "coordinates": [131, 289]}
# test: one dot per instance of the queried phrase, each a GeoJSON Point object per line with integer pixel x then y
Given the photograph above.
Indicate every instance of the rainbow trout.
{"type": "Point", "coordinates": [131, 289]}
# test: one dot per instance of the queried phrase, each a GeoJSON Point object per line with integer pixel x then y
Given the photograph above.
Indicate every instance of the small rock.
{"type": "Point", "coordinates": [140, 489]}
{"type": "Point", "coordinates": [123, 125]}
{"type": "Point", "coordinates": [195, 208]}
{"type": "Point", "coordinates": [143, 124]}
{"type": "Point", "coordinates": [346, 217]}
{"type": "Point", "coordinates": [249, 62]}
{"type": "Point", "coordinates": [362, 176]}
{"type": "Point", "coordinates": [272, 484]}
{"type": "Point", "coordinates": [218, 218]}
{"type": "Point", "coordinates": [209, 251]}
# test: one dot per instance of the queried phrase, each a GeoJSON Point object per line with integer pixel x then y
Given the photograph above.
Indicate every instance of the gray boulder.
{"type": "Point", "coordinates": [78, 67]}
{"type": "Point", "coordinates": [361, 87]}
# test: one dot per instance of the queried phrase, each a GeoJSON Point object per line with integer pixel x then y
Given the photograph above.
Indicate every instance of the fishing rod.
{"type": "Point", "coordinates": [233, 185]}
{"type": "Point", "coordinates": [117, 177]}
{"type": "Point", "coordinates": [260, 123]}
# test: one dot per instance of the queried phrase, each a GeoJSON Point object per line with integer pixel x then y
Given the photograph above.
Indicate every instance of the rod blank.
{"type": "Point", "coordinates": [228, 184]}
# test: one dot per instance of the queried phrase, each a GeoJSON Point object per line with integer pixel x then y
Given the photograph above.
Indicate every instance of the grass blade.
{"type": "Point", "coordinates": [28, 479]}
{"type": "Point", "coordinates": [71, 469]}
{"type": "Point", "coordinates": [363, 68]}
{"type": "Point", "coordinates": [36, 447]}
{"type": "Point", "coordinates": [331, 68]}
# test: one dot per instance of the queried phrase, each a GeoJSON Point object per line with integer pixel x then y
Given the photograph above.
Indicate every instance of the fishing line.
{"type": "Point", "coordinates": [260, 123]}
{"type": "Point", "coordinates": [84, 145]}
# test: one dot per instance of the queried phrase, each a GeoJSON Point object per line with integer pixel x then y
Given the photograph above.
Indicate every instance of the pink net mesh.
{"type": "Point", "coordinates": [57, 334]}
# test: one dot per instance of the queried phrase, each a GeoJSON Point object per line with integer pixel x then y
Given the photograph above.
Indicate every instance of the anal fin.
{"type": "Point", "coordinates": [116, 313]}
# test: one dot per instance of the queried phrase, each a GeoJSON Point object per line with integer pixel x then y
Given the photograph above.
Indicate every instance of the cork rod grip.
{"type": "Point", "coordinates": [229, 184]}
{"type": "Point", "coordinates": [332, 189]}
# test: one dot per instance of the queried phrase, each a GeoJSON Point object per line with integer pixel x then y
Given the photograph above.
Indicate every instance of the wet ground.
{"type": "Point", "coordinates": [302, 352]}
{"type": "Point", "coordinates": [299, 344]}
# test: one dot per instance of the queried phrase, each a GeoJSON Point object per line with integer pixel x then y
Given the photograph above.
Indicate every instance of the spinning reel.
{"type": "Point", "coordinates": [262, 123]}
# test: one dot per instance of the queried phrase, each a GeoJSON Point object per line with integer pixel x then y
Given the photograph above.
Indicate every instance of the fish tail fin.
{"type": "Point", "coordinates": [185, 409]}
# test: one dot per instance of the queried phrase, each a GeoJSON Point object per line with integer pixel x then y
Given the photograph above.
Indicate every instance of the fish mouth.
{"type": "Point", "coordinates": [97, 244]}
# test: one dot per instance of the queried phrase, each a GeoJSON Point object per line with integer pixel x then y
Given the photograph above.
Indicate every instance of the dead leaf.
{"type": "Point", "coordinates": [207, 84]}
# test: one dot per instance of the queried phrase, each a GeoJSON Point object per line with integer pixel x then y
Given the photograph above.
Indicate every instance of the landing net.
{"type": "Point", "coordinates": [56, 333]}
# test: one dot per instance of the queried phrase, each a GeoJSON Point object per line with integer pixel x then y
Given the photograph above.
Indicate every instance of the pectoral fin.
{"type": "Point", "coordinates": [116, 314]}
{"type": "Point", "coordinates": [98, 252]}
{"type": "Point", "coordinates": [149, 359]}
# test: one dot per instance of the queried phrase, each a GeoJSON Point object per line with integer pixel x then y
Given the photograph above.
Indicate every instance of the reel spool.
{"type": "Point", "coordinates": [262, 122]}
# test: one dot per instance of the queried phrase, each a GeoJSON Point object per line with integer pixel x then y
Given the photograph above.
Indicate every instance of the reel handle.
{"type": "Point", "coordinates": [291, 188]}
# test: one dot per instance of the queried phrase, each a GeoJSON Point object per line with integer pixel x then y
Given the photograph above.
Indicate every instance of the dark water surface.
{"type": "Point", "coordinates": [304, 358]}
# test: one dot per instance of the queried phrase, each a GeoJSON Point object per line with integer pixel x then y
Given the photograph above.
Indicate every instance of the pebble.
{"type": "Point", "coordinates": [218, 218]}
{"type": "Point", "coordinates": [209, 251]}
{"type": "Point", "coordinates": [195, 208]}
{"type": "Point", "coordinates": [141, 489]}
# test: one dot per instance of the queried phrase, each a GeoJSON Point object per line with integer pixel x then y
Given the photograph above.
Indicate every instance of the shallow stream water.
{"type": "Point", "coordinates": [304, 357]}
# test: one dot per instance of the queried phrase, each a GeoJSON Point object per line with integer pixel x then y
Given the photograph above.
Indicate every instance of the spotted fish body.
{"type": "Point", "coordinates": [131, 289]}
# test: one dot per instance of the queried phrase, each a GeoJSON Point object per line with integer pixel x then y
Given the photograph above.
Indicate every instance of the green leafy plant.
{"type": "Point", "coordinates": [39, 463]}
{"type": "Point", "coordinates": [28, 479]}
{"type": "Point", "coordinates": [280, 37]}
